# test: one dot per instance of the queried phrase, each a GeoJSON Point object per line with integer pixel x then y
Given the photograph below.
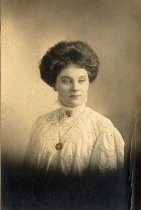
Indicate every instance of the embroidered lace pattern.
{"type": "Point", "coordinates": [91, 142]}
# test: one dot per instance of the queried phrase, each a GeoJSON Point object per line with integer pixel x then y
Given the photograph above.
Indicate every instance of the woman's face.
{"type": "Point", "coordinates": [72, 84]}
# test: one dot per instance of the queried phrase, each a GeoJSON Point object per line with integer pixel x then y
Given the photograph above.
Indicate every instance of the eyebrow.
{"type": "Point", "coordinates": [67, 77]}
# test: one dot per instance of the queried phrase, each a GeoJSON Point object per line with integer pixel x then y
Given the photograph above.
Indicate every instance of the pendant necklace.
{"type": "Point", "coordinates": [59, 145]}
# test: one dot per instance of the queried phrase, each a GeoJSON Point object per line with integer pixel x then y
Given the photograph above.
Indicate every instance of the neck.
{"type": "Point", "coordinates": [72, 108]}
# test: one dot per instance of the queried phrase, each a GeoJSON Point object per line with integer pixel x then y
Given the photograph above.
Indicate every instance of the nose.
{"type": "Point", "coordinates": [75, 86]}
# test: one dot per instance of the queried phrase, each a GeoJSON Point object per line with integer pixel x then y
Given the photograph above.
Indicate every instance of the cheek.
{"type": "Point", "coordinates": [86, 88]}
{"type": "Point", "coordinates": [62, 91]}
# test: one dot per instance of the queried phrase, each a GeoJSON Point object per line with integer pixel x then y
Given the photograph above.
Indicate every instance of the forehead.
{"type": "Point", "coordinates": [73, 72]}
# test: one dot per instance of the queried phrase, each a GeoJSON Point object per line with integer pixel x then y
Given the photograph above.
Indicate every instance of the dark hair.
{"type": "Point", "coordinates": [65, 53]}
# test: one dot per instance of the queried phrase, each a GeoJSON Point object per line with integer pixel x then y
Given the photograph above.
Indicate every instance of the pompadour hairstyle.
{"type": "Point", "coordinates": [64, 54]}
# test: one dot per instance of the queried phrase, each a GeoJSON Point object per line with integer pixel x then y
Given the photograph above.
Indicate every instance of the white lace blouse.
{"type": "Point", "coordinates": [89, 140]}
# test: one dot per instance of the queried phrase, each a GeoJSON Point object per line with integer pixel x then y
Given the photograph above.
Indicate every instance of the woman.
{"type": "Point", "coordinates": [73, 139]}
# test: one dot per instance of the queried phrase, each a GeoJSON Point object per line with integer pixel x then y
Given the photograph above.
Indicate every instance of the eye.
{"type": "Point", "coordinates": [81, 80]}
{"type": "Point", "coordinates": [66, 81]}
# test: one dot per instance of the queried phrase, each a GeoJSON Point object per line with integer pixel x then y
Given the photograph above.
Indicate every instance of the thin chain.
{"type": "Point", "coordinates": [76, 118]}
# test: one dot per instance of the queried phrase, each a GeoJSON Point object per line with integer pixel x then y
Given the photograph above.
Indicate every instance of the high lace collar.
{"type": "Point", "coordinates": [72, 111]}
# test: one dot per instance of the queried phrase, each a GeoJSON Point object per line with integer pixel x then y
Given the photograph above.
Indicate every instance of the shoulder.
{"type": "Point", "coordinates": [49, 117]}
{"type": "Point", "coordinates": [106, 128]}
{"type": "Point", "coordinates": [99, 120]}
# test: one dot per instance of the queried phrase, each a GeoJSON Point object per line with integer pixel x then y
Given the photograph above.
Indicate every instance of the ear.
{"type": "Point", "coordinates": [54, 86]}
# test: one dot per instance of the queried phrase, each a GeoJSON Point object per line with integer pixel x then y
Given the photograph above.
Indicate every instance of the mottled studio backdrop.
{"type": "Point", "coordinates": [30, 27]}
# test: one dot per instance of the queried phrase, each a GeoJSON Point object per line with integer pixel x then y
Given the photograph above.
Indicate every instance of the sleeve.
{"type": "Point", "coordinates": [111, 148]}
{"type": "Point", "coordinates": [108, 152]}
{"type": "Point", "coordinates": [31, 155]}
{"type": "Point", "coordinates": [119, 148]}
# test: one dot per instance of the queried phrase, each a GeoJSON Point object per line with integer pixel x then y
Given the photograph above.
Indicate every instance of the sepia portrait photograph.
{"type": "Point", "coordinates": [70, 104]}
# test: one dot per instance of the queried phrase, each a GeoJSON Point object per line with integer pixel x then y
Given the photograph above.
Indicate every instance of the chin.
{"type": "Point", "coordinates": [75, 104]}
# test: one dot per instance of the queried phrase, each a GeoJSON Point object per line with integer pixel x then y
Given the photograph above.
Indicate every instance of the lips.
{"type": "Point", "coordinates": [75, 96]}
